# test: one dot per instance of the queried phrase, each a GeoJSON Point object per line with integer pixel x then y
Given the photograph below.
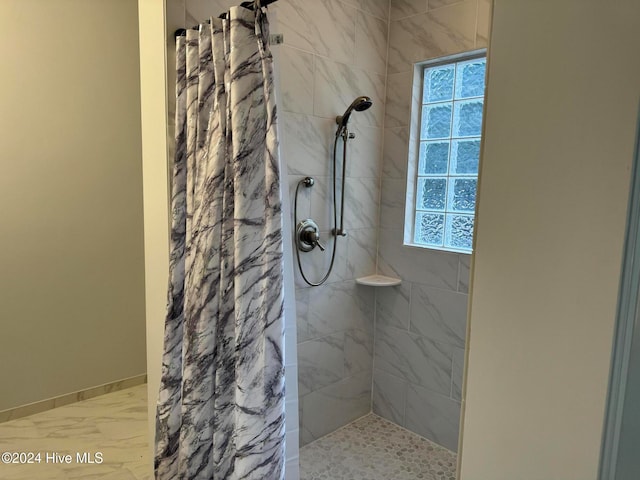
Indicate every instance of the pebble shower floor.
{"type": "Point", "coordinates": [372, 448]}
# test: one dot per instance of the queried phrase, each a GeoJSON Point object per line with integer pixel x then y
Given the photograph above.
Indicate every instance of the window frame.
{"type": "Point", "coordinates": [413, 178]}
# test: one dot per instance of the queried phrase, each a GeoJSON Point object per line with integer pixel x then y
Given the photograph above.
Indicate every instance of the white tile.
{"type": "Point", "coordinates": [320, 362]}
{"type": "Point", "coordinates": [361, 203]}
{"type": "Point", "coordinates": [326, 28]}
{"type": "Point", "coordinates": [433, 4]}
{"type": "Point", "coordinates": [292, 469]}
{"type": "Point", "coordinates": [392, 306]}
{"type": "Point", "coordinates": [433, 416]}
{"type": "Point", "coordinates": [362, 251]}
{"type": "Point", "coordinates": [114, 423]}
{"type": "Point", "coordinates": [292, 443]}
{"type": "Point", "coordinates": [294, 24]}
{"type": "Point", "coordinates": [333, 29]}
{"type": "Point", "coordinates": [463, 273]}
{"type": "Point", "coordinates": [307, 144]}
{"type": "Point", "coordinates": [302, 308]}
{"type": "Point", "coordinates": [290, 351]}
{"type": "Point", "coordinates": [483, 22]}
{"type": "Point", "coordinates": [32, 472]}
{"type": "Point", "coordinates": [392, 203]}
{"type": "Point", "coordinates": [456, 376]}
{"type": "Point", "coordinates": [416, 359]}
{"type": "Point", "coordinates": [124, 429]}
{"type": "Point", "coordinates": [389, 396]}
{"type": "Point", "coordinates": [305, 435]}
{"type": "Point", "coordinates": [336, 85]}
{"type": "Point", "coordinates": [439, 314]}
{"type": "Point", "coordinates": [426, 36]}
{"type": "Point", "coordinates": [292, 420]}
{"type": "Point", "coordinates": [415, 264]}
{"type": "Point", "coordinates": [399, 95]}
{"type": "Point", "coordinates": [332, 407]}
{"type": "Point", "coordinates": [358, 351]}
{"type": "Point", "coordinates": [340, 306]}
{"type": "Point", "coordinates": [322, 201]}
{"type": "Point", "coordinates": [364, 152]}
{"type": "Point", "coordinates": [291, 382]}
{"type": "Point", "coordinates": [141, 470]}
{"type": "Point", "coordinates": [405, 8]}
{"type": "Point", "coordinates": [379, 8]}
{"type": "Point", "coordinates": [296, 78]}
{"type": "Point", "coordinates": [371, 43]}
{"type": "Point", "coordinates": [396, 153]}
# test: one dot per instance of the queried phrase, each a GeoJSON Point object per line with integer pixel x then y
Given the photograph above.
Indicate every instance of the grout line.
{"type": "Point", "coordinates": [452, 361]}
{"type": "Point", "coordinates": [406, 401]}
{"type": "Point", "coordinates": [373, 349]}
{"type": "Point", "coordinates": [358, 9]}
{"type": "Point", "coordinates": [379, 213]}
{"type": "Point", "coordinates": [411, 284]}
{"type": "Point", "coordinates": [382, 157]}
{"type": "Point", "coordinates": [338, 429]}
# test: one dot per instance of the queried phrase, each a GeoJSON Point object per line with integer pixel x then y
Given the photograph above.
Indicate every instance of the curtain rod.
{"type": "Point", "coordinates": [249, 5]}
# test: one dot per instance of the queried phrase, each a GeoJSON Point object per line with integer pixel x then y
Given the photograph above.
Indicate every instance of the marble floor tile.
{"type": "Point", "coordinates": [374, 449]}
{"type": "Point", "coordinates": [114, 424]}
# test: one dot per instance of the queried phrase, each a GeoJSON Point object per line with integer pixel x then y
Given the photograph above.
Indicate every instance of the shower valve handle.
{"type": "Point", "coordinates": [312, 237]}
{"type": "Point", "coordinates": [308, 236]}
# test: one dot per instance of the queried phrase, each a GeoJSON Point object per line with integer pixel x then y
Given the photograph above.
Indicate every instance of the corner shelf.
{"type": "Point", "coordinates": [378, 281]}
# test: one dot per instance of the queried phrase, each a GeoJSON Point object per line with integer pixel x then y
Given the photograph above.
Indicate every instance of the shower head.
{"type": "Point", "coordinates": [360, 104]}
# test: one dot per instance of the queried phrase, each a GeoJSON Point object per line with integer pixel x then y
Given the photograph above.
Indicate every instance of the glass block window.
{"type": "Point", "coordinates": [448, 155]}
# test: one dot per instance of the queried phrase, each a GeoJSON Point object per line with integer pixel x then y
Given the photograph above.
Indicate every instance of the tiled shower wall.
{"type": "Point", "coordinates": [420, 325]}
{"type": "Point", "coordinates": [333, 52]}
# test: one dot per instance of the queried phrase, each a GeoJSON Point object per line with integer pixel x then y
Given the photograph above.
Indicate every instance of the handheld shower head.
{"type": "Point", "coordinates": [360, 104]}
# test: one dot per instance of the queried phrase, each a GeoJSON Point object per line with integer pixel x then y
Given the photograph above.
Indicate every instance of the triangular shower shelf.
{"type": "Point", "coordinates": [378, 281]}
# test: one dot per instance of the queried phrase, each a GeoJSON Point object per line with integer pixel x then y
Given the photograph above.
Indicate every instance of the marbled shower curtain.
{"type": "Point", "coordinates": [221, 405]}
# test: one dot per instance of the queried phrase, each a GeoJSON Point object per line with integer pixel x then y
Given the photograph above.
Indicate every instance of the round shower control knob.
{"type": "Point", "coordinates": [308, 236]}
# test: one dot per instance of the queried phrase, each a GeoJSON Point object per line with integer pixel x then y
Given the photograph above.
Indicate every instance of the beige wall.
{"type": "Point", "coordinates": [71, 251]}
{"type": "Point", "coordinates": [560, 128]}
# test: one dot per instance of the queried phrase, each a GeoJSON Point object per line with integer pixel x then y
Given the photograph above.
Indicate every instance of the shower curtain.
{"type": "Point", "coordinates": [221, 405]}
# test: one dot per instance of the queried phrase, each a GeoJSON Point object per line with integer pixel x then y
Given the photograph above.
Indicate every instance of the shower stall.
{"type": "Point", "coordinates": [381, 364]}
{"type": "Point", "coordinates": [307, 231]}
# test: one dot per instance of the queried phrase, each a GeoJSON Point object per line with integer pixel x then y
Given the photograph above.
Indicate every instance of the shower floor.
{"type": "Point", "coordinates": [372, 448]}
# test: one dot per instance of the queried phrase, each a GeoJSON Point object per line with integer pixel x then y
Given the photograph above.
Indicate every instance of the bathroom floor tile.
{"type": "Point", "coordinates": [372, 448]}
{"type": "Point", "coordinates": [114, 424]}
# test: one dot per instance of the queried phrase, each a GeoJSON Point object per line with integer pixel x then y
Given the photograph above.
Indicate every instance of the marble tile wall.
{"type": "Point", "coordinates": [333, 52]}
{"type": "Point", "coordinates": [420, 325]}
